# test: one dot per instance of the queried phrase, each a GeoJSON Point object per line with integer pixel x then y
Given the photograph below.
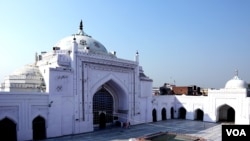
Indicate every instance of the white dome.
{"type": "Point", "coordinates": [27, 78]}
{"type": "Point", "coordinates": [28, 70]}
{"type": "Point", "coordinates": [236, 83]}
{"type": "Point", "coordinates": [84, 42]}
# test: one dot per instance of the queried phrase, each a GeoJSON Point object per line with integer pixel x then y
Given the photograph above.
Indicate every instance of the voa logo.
{"type": "Point", "coordinates": [236, 132]}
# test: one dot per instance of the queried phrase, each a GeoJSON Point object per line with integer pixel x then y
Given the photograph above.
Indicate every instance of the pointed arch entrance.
{"type": "Point", "coordinates": [182, 113]}
{"type": "Point", "coordinates": [199, 114]}
{"type": "Point", "coordinates": [39, 128]}
{"type": "Point", "coordinates": [163, 114]}
{"type": "Point", "coordinates": [8, 130]}
{"type": "Point", "coordinates": [154, 114]}
{"type": "Point", "coordinates": [226, 114]}
{"type": "Point", "coordinates": [109, 96]}
{"type": "Point", "coordinates": [103, 104]}
{"type": "Point", "coordinates": [172, 112]}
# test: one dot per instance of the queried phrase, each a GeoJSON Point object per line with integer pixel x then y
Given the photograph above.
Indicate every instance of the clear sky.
{"type": "Point", "coordinates": [189, 42]}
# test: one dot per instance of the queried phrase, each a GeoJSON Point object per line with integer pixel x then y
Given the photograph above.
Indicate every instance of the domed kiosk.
{"type": "Point", "coordinates": [236, 83]}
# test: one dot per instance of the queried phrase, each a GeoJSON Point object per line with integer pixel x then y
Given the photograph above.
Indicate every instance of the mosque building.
{"type": "Point", "coordinates": [79, 87]}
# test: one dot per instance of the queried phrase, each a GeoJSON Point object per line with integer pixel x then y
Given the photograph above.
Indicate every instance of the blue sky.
{"type": "Point", "coordinates": [189, 42]}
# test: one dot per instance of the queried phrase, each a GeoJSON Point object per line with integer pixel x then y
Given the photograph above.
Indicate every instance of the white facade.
{"type": "Point", "coordinates": [231, 104]}
{"type": "Point", "coordinates": [80, 86]}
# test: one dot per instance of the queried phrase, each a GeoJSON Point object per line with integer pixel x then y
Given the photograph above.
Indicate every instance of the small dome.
{"type": "Point", "coordinates": [28, 79]}
{"type": "Point", "coordinates": [28, 70]}
{"type": "Point", "coordinates": [84, 42]}
{"type": "Point", "coordinates": [236, 83]}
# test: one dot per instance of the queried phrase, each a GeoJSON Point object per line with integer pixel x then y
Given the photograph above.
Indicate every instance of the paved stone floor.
{"type": "Point", "coordinates": [207, 130]}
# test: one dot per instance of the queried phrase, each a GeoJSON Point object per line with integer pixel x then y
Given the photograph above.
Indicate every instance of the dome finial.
{"type": "Point", "coordinates": [81, 26]}
{"type": "Point", "coordinates": [236, 72]}
{"type": "Point", "coordinates": [80, 32]}
{"type": "Point", "coordinates": [236, 77]}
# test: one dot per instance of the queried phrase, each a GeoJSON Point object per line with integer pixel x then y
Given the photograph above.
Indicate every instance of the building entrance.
{"type": "Point", "coordinates": [199, 114]}
{"type": "Point", "coordinates": [172, 113]}
{"type": "Point", "coordinates": [39, 128]}
{"type": "Point", "coordinates": [226, 114]}
{"type": "Point", "coordinates": [154, 114]}
{"type": "Point", "coordinates": [8, 130]}
{"type": "Point", "coordinates": [102, 121]}
{"type": "Point", "coordinates": [182, 113]}
{"type": "Point", "coordinates": [163, 114]}
{"type": "Point", "coordinates": [102, 108]}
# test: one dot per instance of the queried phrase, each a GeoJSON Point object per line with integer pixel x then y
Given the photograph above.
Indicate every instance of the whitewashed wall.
{"type": "Point", "coordinates": [22, 108]}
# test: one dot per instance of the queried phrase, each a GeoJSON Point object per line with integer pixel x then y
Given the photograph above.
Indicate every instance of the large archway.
{"type": "Point", "coordinates": [163, 114]}
{"type": "Point", "coordinates": [226, 114]}
{"type": "Point", "coordinates": [8, 130]}
{"type": "Point", "coordinates": [199, 114]}
{"type": "Point", "coordinates": [154, 114]}
{"type": "Point", "coordinates": [103, 106]}
{"type": "Point", "coordinates": [182, 113]}
{"type": "Point", "coordinates": [116, 96]}
{"type": "Point", "coordinates": [39, 128]}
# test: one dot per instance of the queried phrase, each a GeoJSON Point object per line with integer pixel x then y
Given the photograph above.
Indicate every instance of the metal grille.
{"type": "Point", "coordinates": [102, 102]}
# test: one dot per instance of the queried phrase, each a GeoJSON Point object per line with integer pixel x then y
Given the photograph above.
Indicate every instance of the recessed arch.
{"type": "Point", "coordinates": [39, 128]}
{"type": "Point", "coordinates": [199, 114]}
{"type": "Point", "coordinates": [10, 117]}
{"type": "Point", "coordinates": [172, 112]}
{"type": "Point", "coordinates": [163, 114]}
{"type": "Point", "coordinates": [116, 88]}
{"type": "Point", "coordinates": [182, 113]}
{"type": "Point", "coordinates": [37, 114]}
{"type": "Point", "coordinates": [117, 93]}
{"type": "Point", "coordinates": [225, 113]}
{"type": "Point", "coordinates": [8, 129]}
{"type": "Point", "coordinates": [107, 79]}
{"type": "Point", "coordinates": [154, 114]}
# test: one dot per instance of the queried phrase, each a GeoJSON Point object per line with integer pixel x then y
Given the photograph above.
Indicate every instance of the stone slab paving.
{"type": "Point", "coordinates": [206, 130]}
